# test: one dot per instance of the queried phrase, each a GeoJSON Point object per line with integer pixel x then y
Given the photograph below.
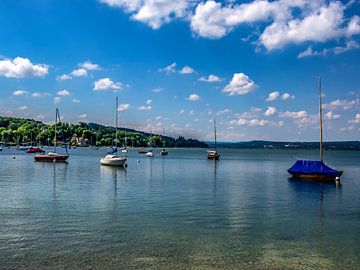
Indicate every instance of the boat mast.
{"type": "Point", "coordinates": [56, 117]}
{"type": "Point", "coordinates": [116, 124]}
{"type": "Point", "coordinates": [215, 132]}
{"type": "Point", "coordinates": [321, 120]}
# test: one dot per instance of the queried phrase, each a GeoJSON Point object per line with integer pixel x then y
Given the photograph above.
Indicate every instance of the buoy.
{"type": "Point", "coordinates": [138, 160]}
{"type": "Point", "coordinates": [13, 157]}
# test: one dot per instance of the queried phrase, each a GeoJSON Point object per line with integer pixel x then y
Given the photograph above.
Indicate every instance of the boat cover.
{"type": "Point", "coordinates": [311, 167]}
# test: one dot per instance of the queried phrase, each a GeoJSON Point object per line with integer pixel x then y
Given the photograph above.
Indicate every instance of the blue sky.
{"type": "Point", "coordinates": [176, 65]}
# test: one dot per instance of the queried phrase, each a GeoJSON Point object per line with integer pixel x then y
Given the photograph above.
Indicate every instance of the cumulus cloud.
{"type": "Point", "coordinates": [147, 106]}
{"type": "Point", "coordinates": [187, 70]}
{"type": "Point", "coordinates": [63, 92]}
{"type": "Point", "coordinates": [89, 66]}
{"type": "Point", "coordinates": [240, 84]}
{"type": "Point", "coordinates": [350, 45]}
{"type": "Point", "coordinates": [105, 84]}
{"type": "Point", "coordinates": [341, 104]}
{"type": "Point", "coordinates": [21, 68]}
{"type": "Point", "coordinates": [270, 111]}
{"type": "Point", "coordinates": [150, 12]}
{"type": "Point", "coordinates": [356, 120]}
{"type": "Point", "coordinates": [39, 94]}
{"type": "Point", "coordinates": [79, 72]}
{"type": "Point", "coordinates": [330, 115]}
{"type": "Point", "coordinates": [19, 92]}
{"type": "Point", "coordinates": [287, 96]}
{"type": "Point", "coordinates": [294, 115]}
{"type": "Point", "coordinates": [211, 78]}
{"type": "Point", "coordinates": [224, 111]}
{"type": "Point", "coordinates": [22, 108]}
{"type": "Point", "coordinates": [251, 122]}
{"type": "Point", "coordinates": [169, 69]}
{"type": "Point", "coordinates": [194, 97]}
{"type": "Point", "coordinates": [123, 107]}
{"type": "Point", "coordinates": [63, 77]}
{"type": "Point", "coordinates": [273, 96]}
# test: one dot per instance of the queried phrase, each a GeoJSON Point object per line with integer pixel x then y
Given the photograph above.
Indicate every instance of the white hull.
{"type": "Point", "coordinates": [113, 161]}
{"type": "Point", "coordinates": [149, 154]}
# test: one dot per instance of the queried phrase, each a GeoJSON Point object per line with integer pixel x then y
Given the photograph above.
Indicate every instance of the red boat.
{"type": "Point", "coordinates": [35, 150]}
{"type": "Point", "coordinates": [51, 157]}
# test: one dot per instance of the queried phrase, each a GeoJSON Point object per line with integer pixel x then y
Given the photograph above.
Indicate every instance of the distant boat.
{"type": "Point", "coordinates": [150, 152]}
{"type": "Point", "coordinates": [163, 152]}
{"type": "Point", "coordinates": [213, 154]}
{"type": "Point", "coordinates": [32, 149]}
{"type": "Point", "coordinates": [53, 156]}
{"type": "Point", "coordinates": [315, 169]}
{"type": "Point", "coordinates": [112, 159]}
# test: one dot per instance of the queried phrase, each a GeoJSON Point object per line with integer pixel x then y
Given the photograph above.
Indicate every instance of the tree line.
{"type": "Point", "coordinates": [18, 131]}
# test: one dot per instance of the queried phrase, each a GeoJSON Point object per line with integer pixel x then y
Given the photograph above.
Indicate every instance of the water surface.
{"type": "Point", "coordinates": [178, 211]}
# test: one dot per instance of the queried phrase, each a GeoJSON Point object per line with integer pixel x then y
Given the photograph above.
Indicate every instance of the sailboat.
{"type": "Point", "coordinates": [53, 156]}
{"type": "Point", "coordinates": [150, 152]}
{"type": "Point", "coordinates": [112, 159]}
{"type": "Point", "coordinates": [124, 149]}
{"type": "Point", "coordinates": [315, 169]}
{"type": "Point", "coordinates": [213, 154]}
{"type": "Point", "coordinates": [163, 152]}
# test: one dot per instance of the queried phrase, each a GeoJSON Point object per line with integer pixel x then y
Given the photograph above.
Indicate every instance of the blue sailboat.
{"type": "Point", "coordinates": [315, 169]}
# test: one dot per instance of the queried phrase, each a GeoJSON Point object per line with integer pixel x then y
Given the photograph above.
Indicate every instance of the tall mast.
{"type": "Point", "coordinates": [56, 117]}
{"type": "Point", "coordinates": [321, 120]}
{"type": "Point", "coordinates": [116, 124]}
{"type": "Point", "coordinates": [215, 132]}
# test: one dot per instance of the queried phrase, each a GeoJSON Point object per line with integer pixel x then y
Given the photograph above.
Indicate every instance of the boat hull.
{"type": "Point", "coordinates": [213, 155]}
{"type": "Point", "coordinates": [316, 177]}
{"type": "Point", "coordinates": [119, 162]}
{"type": "Point", "coordinates": [51, 158]}
{"type": "Point", "coordinates": [35, 150]}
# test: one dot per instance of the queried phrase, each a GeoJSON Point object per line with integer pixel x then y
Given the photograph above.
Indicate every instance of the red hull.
{"type": "Point", "coordinates": [51, 158]}
{"type": "Point", "coordinates": [35, 150]}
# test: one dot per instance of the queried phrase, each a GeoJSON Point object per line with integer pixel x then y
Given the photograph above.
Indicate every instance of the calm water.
{"type": "Point", "coordinates": [179, 211]}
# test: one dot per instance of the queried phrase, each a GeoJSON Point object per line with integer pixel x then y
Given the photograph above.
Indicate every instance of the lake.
{"type": "Point", "coordinates": [178, 211]}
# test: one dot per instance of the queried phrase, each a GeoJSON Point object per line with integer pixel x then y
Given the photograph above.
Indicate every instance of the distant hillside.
{"type": "Point", "coordinates": [347, 145]}
{"type": "Point", "coordinates": [23, 131]}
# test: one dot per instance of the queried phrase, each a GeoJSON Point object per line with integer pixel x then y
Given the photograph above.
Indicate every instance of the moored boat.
{"type": "Point", "coordinates": [53, 156]}
{"type": "Point", "coordinates": [32, 149]}
{"type": "Point", "coordinates": [213, 154]}
{"type": "Point", "coordinates": [316, 169]}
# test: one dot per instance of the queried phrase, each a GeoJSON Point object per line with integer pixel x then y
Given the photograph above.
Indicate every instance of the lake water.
{"type": "Point", "coordinates": [178, 211]}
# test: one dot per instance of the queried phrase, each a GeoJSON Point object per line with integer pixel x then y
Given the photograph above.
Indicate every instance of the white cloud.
{"type": "Point", "coordinates": [294, 115]}
{"type": "Point", "coordinates": [341, 104]}
{"type": "Point", "coordinates": [21, 67]}
{"type": "Point", "coordinates": [169, 69]}
{"type": "Point", "coordinates": [194, 97]}
{"type": "Point", "coordinates": [353, 27]}
{"type": "Point", "coordinates": [153, 13]}
{"type": "Point", "coordinates": [252, 122]}
{"type": "Point", "coordinates": [145, 108]}
{"type": "Point", "coordinates": [123, 107]}
{"type": "Point", "coordinates": [356, 120]}
{"type": "Point", "coordinates": [40, 94]}
{"type": "Point", "coordinates": [89, 66]}
{"type": "Point", "coordinates": [148, 102]}
{"type": "Point", "coordinates": [84, 115]}
{"type": "Point", "coordinates": [157, 90]}
{"type": "Point", "coordinates": [319, 25]}
{"type": "Point", "coordinates": [19, 92]}
{"type": "Point", "coordinates": [105, 84]}
{"type": "Point", "coordinates": [22, 108]}
{"type": "Point", "coordinates": [240, 84]}
{"type": "Point", "coordinates": [211, 78]}
{"type": "Point", "coordinates": [63, 92]}
{"type": "Point", "coordinates": [57, 100]}
{"type": "Point", "coordinates": [79, 72]}
{"type": "Point", "coordinates": [287, 96]}
{"type": "Point", "coordinates": [273, 96]}
{"type": "Point", "coordinates": [75, 100]}
{"type": "Point", "coordinates": [330, 115]}
{"type": "Point", "coordinates": [224, 111]}
{"type": "Point", "coordinates": [63, 77]}
{"type": "Point", "coordinates": [270, 111]}
{"type": "Point", "coordinates": [350, 45]}
{"type": "Point", "coordinates": [182, 111]}
{"type": "Point", "coordinates": [187, 70]}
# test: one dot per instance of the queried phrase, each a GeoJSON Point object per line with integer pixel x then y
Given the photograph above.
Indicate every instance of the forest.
{"type": "Point", "coordinates": [18, 131]}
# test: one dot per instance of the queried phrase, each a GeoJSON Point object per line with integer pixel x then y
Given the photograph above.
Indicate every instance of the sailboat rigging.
{"type": "Point", "coordinates": [213, 154]}
{"type": "Point", "coordinates": [315, 169]}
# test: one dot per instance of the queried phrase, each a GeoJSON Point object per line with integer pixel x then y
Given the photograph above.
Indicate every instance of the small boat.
{"type": "Point", "coordinates": [315, 169]}
{"type": "Point", "coordinates": [112, 159]}
{"type": "Point", "coordinates": [150, 154]}
{"type": "Point", "coordinates": [32, 149]}
{"type": "Point", "coordinates": [53, 156]}
{"type": "Point", "coordinates": [213, 154]}
{"type": "Point", "coordinates": [163, 152]}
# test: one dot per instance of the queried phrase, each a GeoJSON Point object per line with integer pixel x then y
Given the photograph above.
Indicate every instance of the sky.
{"type": "Point", "coordinates": [177, 65]}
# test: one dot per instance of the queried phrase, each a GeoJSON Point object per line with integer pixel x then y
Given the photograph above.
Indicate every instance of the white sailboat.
{"type": "Point", "coordinates": [150, 153]}
{"type": "Point", "coordinates": [112, 159]}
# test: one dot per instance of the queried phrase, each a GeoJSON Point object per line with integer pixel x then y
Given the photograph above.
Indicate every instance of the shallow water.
{"type": "Point", "coordinates": [178, 211]}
